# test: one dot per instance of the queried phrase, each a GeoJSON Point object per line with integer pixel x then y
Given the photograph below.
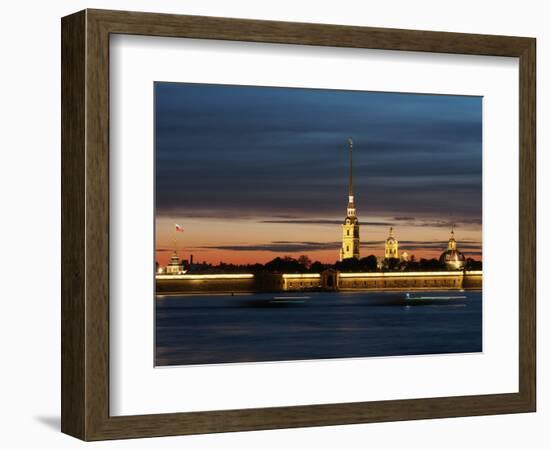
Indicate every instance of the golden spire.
{"type": "Point", "coordinates": [351, 202]}
{"type": "Point", "coordinates": [452, 226]}
{"type": "Point", "coordinates": [350, 227]}
{"type": "Point", "coordinates": [350, 191]}
{"type": "Point", "coordinates": [452, 241]}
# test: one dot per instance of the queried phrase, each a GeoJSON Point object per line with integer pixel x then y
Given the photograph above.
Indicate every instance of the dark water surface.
{"type": "Point", "coordinates": [199, 329]}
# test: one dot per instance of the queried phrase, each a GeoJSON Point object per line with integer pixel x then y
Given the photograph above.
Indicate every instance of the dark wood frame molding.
{"type": "Point", "coordinates": [85, 224]}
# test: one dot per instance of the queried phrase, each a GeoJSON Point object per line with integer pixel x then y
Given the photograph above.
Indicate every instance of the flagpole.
{"type": "Point", "coordinates": [176, 229]}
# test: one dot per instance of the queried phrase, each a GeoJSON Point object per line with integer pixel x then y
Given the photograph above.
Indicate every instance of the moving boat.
{"type": "Point", "coordinates": [289, 300]}
{"type": "Point", "coordinates": [278, 301]}
{"type": "Point", "coordinates": [409, 300]}
{"type": "Point", "coordinates": [430, 298]}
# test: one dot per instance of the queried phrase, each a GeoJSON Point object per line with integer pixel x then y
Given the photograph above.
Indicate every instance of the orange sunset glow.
{"type": "Point", "coordinates": [206, 241]}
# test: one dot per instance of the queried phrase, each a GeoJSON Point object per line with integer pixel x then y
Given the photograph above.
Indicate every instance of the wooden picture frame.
{"type": "Point", "coordinates": [85, 224]}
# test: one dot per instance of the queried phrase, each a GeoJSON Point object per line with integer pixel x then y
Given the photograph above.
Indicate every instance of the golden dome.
{"type": "Point", "coordinates": [452, 258]}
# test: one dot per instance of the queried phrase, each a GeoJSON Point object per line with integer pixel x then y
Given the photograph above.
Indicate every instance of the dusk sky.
{"type": "Point", "coordinates": [252, 173]}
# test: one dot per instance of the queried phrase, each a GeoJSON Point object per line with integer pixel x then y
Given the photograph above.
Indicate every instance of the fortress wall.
{"type": "Point", "coordinates": [473, 280]}
{"type": "Point", "coordinates": [406, 282]}
{"type": "Point", "coordinates": [314, 282]}
{"type": "Point", "coordinates": [179, 284]}
{"type": "Point", "coordinates": [302, 282]}
{"type": "Point", "coordinates": [410, 280]}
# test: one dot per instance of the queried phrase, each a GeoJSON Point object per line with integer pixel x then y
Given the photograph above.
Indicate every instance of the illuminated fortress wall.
{"type": "Point", "coordinates": [180, 284]}
{"type": "Point", "coordinates": [473, 280]}
{"type": "Point", "coordinates": [410, 280]}
{"type": "Point", "coordinates": [328, 280]}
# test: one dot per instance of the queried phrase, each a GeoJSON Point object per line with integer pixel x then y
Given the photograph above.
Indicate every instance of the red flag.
{"type": "Point", "coordinates": [179, 228]}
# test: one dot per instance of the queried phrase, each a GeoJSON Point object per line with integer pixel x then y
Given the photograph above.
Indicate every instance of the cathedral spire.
{"type": "Point", "coordinates": [350, 191]}
{"type": "Point", "coordinates": [351, 202]}
{"type": "Point", "coordinates": [350, 227]}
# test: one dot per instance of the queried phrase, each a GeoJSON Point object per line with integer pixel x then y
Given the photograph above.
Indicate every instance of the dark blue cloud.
{"type": "Point", "coordinates": [299, 246]}
{"type": "Point", "coordinates": [229, 151]}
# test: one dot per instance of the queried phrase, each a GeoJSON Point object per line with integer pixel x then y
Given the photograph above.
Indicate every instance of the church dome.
{"type": "Point", "coordinates": [452, 258]}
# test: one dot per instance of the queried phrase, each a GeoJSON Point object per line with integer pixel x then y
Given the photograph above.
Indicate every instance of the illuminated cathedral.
{"type": "Point", "coordinates": [391, 248]}
{"type": "Point", "coordinates": [452, 258]}
{"type": "Point", "coordinates": [350, 227]}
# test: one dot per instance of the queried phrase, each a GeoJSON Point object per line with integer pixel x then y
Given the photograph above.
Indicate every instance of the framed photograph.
{"type": "Point", "coordinates": [272, 225]}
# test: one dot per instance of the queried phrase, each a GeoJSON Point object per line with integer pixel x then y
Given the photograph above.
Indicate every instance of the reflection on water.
{"type": "Point", "coordinates": [199, 329]}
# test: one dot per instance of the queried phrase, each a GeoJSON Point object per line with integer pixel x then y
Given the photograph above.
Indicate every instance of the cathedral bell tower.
{"type": "Point", "coordinates": [350, 227]}
{"type": "Point", "coordinates": [391, 247]}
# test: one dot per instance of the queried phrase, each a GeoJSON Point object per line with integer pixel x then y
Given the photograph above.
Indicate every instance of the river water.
{"type": "Point", "coordinates": [199, 329]}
